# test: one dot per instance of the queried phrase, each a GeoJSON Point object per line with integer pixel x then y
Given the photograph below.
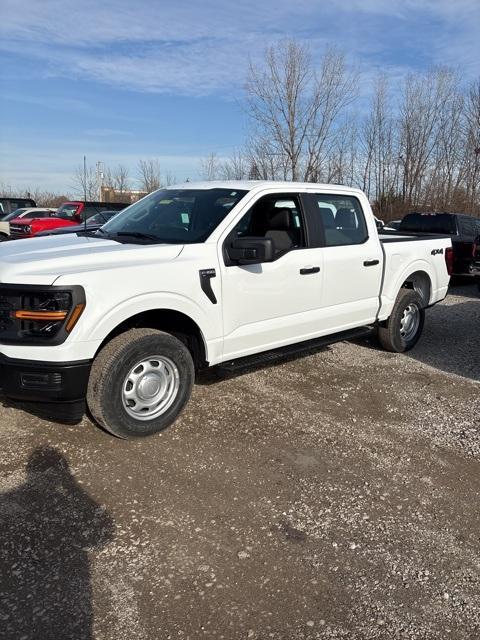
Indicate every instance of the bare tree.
{"type": "Point", "coordinates": [280, 102]}
{"type": "Point", "coordinates": [294, 110]}
{"type": "Point", "coordinates": [334, 90]}
{"type": "Point", "coordinates": [49, 198]}
{"type": "Point", "coordinates": [149, 175]}
{"type": "Point", "coordinates": [380, 157]}
{"type": "Point", "coordinates": [264, 163]}
{"type": "Point", "coordinates": [471, 159]}
{"type": "Point", "coordinates": [343, 159]}
{"type": "Point", "coordinates": [236, 167]}
{"type": "Point", "coordinates": [42, 198]}
{"type": "Point", "coordinates": [86, 183]}
{"type": "Point", "coordinates": [121, 178]}
{"type": "Point", "coordinates": [419, 122]}
{"type": "Point", "coordinates": [210, 167]}
{"type": "Point", "coordinates": [169, 179]}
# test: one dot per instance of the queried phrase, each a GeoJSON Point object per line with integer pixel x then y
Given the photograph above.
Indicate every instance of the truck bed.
{"type": "Point", "coordinates": [407, 253]}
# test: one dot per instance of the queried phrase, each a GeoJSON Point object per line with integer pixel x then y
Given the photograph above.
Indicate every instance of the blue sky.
{"type": "Point", "coordinates": [124, 80]}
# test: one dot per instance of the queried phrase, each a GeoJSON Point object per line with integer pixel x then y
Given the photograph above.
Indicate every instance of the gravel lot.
{"type": "Point", "coordinates": [330, 496]}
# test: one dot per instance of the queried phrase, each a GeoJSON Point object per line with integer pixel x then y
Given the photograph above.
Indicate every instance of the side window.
{"type": "Point", "coordinates": [277, 217]}
{"type": "Point", "coordinates": [342, 220]}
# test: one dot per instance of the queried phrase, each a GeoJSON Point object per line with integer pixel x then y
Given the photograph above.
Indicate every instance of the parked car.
{"type": "Point", "coordinates": [92, 224]}
{"type": "Point", "coordinates": [22, 214]}
{"type": "Point", "coordinates": [464, 231]}
{"type": "Point", "coordinates": [197, 275]}
{"type": "Point", "coordinates": [7, 205]}
{"type": "Point", "coordinates": [476, 264]}
{"type": "Point", "coordinates": [67, 215]}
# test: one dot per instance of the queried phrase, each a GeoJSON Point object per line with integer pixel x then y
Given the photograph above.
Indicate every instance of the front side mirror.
{"type": "Point", "coordinates": [251, 250]}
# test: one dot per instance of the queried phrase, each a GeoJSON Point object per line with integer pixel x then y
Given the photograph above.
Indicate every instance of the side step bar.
{"type": "Point", "coordinates": [283, 353]}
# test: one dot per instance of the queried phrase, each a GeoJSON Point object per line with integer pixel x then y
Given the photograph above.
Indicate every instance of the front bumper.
{"type": "Point", "coordinates": [45, 382]}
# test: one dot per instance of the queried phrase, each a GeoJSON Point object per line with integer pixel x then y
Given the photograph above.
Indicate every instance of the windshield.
{"type": "Point", "coordinates": [67, 211]}
{"type": "Point", "coordinates": [14, 214]}
{"type": "Point", "coordinates": [175, 215]}
{"type": "Point", "coordinates": [101, 217]}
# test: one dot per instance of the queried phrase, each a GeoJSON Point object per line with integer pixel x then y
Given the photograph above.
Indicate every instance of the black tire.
{"type": "Point", "coordinates": [392, 334]}
{"type": "Point", "coordinates": [116, 361]}
{"type": "Point", "coordinates": [3, 237]}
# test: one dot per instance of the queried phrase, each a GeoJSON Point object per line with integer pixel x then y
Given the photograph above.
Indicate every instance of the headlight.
{"type": "Point", "coordinates": [37, 314]}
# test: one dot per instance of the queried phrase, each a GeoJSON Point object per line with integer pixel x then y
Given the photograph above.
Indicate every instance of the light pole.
{"type": "Point", "coordinates": [100, 171]}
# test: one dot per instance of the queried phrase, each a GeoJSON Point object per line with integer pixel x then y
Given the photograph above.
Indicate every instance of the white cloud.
{"type": "Point", "coordinates": [178, 46]}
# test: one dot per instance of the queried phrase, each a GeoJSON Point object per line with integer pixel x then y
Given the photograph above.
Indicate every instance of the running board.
{"type": "Point", "coordinates": [282, 353]}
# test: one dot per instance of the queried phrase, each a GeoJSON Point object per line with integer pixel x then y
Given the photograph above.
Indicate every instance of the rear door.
{"type": "Point", "coordinates": [352, 260]}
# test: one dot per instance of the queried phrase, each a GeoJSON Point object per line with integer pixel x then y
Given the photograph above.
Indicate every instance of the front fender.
{"type": "Point", "coordinates": [132, 306]}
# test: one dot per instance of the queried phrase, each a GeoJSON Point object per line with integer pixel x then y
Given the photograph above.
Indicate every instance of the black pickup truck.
{"type": "Point", "coordinates": [464, 230]}
{"type": "Point", "coordinates": [476, 265]}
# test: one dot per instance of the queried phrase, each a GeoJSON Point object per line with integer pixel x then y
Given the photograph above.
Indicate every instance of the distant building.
{"type": "Point", "coordinates": [109, 194]}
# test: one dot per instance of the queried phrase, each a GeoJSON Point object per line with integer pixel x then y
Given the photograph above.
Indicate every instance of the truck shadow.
{"type": "Point", "coordinates": [451, 339]}
{"type": "Point", "coordinates": [44, 411]}
{"type": "Point", "coordinates": [47, 526]}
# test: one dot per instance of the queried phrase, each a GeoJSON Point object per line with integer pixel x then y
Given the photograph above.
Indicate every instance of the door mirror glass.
{"type": "Point", "coordinates": [251, 250]}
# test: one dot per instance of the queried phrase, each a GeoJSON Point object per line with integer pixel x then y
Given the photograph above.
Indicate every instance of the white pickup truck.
{"type": "Point", "coordinates": [196, 275]}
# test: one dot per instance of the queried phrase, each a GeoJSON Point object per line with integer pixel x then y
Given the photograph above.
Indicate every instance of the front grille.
{"type": "Point", "coordinates": [18, 230]}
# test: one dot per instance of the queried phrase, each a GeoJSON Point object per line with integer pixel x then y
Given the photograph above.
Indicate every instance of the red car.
{"type": "Point", "coordinates": [69, 214]}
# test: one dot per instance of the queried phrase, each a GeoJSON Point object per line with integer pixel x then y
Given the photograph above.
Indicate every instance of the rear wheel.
{"type": "Point", "coordinates": [140, 382]}
{"type": "Point", "coordinates": [404, 327]}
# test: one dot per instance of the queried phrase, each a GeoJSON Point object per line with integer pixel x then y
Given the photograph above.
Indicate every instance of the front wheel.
{"type": "Point", "coordinates": [139, 383]}
{"type": "Point", "coordinates": [404, 327]}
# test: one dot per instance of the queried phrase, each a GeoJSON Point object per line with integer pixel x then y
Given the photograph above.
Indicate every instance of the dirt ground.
{"type": "Point", "coordinates": [334, 495]}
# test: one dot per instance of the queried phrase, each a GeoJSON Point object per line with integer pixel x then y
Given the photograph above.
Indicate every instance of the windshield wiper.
{"type": "Point", "coordinates": [137, 234]}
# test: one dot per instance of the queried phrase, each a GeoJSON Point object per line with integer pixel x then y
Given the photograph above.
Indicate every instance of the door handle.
{"type": "Point", "coordinates": [370, 263]}
{"type": "Point", "coordinates": [307, 270]}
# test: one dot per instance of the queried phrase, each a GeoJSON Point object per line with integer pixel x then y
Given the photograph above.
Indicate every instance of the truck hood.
{"type": "Point", "coordinates": [43, 260]}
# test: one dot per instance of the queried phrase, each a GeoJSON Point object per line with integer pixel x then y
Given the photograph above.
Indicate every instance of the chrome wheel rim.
{"type": "Point", "coordinates": [150, 387]}
{"type": "Point", "coordinates": [410, 322]}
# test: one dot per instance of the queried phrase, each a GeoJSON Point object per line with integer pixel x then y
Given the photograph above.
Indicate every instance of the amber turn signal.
{"type": "Point", "coordinates": [76, 313]}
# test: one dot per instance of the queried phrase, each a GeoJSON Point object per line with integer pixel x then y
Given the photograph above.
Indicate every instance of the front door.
{"type": "Point", "coordinates": [271, 304]}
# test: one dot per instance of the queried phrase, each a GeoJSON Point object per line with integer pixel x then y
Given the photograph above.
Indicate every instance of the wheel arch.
{"type": "Point", "coordinates": [421, 282]}
{"type": "Point", "coordinates": [418, 277]}
{"type": "Point", "coordinates": [171, 321]}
